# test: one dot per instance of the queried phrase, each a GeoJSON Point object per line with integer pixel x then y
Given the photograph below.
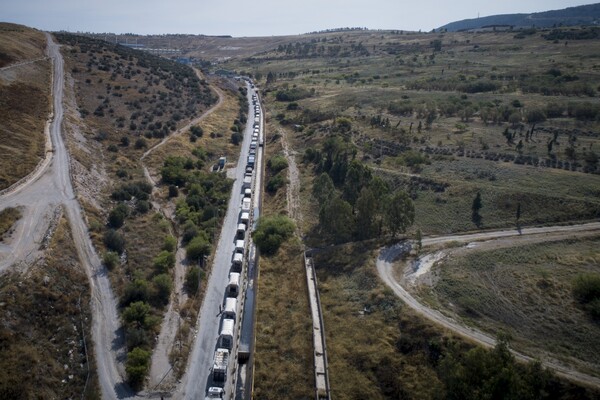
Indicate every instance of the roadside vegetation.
{"type": "Point", "coordinates": [123, 102]}
{"type": "Point", "coordinates": [379, 349]}
{"type": "Point", "coordinates": [46, 349]}
{"type": "Point", "coordinates": [24, 101]}
{"type": "Point", "coordinates": [283, 321]}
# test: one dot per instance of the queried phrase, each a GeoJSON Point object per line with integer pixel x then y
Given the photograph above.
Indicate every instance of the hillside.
{"type": "Point", "coordinates": [24, 101]}
{"type": "Point", "coordinates": [581, 15]}
{"type": "Point", "coordinates": [382, 121]}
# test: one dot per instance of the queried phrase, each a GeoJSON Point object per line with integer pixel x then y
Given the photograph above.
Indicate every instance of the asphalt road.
{"type": "Point", "coordinates": [194, 382]}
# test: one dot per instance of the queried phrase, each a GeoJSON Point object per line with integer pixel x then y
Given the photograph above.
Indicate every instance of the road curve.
{"type": "Point", "coordinates": [388, 255]}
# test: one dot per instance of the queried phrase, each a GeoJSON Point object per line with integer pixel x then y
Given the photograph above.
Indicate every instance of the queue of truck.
{"type": "Point", "coordinates": [229, 317]}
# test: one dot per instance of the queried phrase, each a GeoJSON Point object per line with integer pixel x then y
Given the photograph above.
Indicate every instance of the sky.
{"type": "Point", "coordinates": [256, 17]}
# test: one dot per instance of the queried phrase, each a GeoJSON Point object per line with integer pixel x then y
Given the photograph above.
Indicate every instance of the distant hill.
{"type": "Point", "coordinates": [581, 15]}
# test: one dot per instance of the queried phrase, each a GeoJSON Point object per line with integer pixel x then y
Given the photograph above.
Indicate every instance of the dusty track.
{"type": "Point", "coordinates": [43, 191]}
{"type": "Point", "coordinates": [388, 255]}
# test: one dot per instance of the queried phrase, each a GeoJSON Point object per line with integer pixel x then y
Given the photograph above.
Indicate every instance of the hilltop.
{"type": "Point", "coordinates": [581, 15]}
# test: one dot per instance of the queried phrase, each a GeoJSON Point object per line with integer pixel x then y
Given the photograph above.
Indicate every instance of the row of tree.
{"type": "Point", "coordinates": [354, 204]}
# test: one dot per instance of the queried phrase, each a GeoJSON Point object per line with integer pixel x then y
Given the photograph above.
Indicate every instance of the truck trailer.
{"type": "Point", "coordinates": [220, 362]}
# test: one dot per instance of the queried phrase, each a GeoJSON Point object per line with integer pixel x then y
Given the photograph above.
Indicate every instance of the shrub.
{"type": "Point", "coordinates": [197, 248]}
{"type": "Point", "coordinates": [114, 241]}
{"type": "Point", "coordinates": [170, 243]}
{"type": "Point", "coordinates": [138, 363]}
{"type": "Point", "coordinates": [192, 280]}
{"type": "Point", "coordinates": [138, 290]}
{"type": "Point", "coordinates": [173, 191]}
{"type": "Point", "coordinates": [110, 259]}
{"type": "Point", "coordinates": [163, 261]}
{"type": "Point", "coordinates": [586, 289]}
{"type": "Point", "coordinates": [117, 216]}
{"type": "Point", "coordinates": [277, 163]}
{"type": "Point", "coordinates": [142, 206]}
{"type": "Point", "coordinates": [271, 232]}
{"type": "Point", "coordinates": [161, 288]}
{"type": "Point", "coordinates": [275, 183]}
{"type": "Point", "coordinates": [141, 143]}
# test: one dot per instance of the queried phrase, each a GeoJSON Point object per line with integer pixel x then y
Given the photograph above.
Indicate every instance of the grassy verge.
{"type": "Point", "coordinates": [46, 318]}
{"type": "Point", "coordinates": [8, 217]}
{"type": "Point", "coordinates": [528, 292]}
{"type": "Point", "coordinates": [283, 355]}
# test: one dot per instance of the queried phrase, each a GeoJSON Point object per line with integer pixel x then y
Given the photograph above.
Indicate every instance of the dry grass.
{"type": "Point", "coordinates": [526, 291]}
{"type": "Point", "coordinates": [41, 349]}
{"type": "Point", "coordinates": [8, 217]}
{"type": "Point", "coordinates": [283, 358]}
{"type": "Point", "coordinates": [24, 102]}
{"type": "Point", "coordinates": [376, 347]}
{"type": "Point", "coordinates": [284, 350]}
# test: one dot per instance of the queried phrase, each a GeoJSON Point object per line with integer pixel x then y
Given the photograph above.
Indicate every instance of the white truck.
{"type": "Point", "coordinates": [226, 334]}
{"type": "Point", "coordinates": [220, 362]}
{"type": "Point", "coordinates": [238, 260]}
{"type": "Point", "coordinates": [233, 287]}
{"type": "Point", "coordinates": [230, 310]}
{"type": "Point", "coordinates": [246, 204]}
{"type": "Point", "coordinates": [245, 217]}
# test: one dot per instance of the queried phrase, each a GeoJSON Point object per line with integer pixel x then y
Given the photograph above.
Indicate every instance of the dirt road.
{"type": "Point", "coordinates": [39, 195]}
{"type": "Point", "coordinates": [388, 255]}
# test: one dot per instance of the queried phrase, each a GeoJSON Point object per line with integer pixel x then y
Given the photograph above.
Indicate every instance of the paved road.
{"type": "Point", "coordinates": [194, 383]}
{"type": "Point", "coordinates": [388, 255]}
{"type": "Point", "coordinates": [39, 196]}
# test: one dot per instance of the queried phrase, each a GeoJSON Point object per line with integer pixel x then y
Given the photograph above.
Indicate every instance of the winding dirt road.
{"type": "Point", "coordinates": [389, 255]}
{"type": "Point", "coordinates": [48, 187]}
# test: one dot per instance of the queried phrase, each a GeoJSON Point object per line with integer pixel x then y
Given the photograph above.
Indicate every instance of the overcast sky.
{"type": "Point", "coordinates": [255, 17]}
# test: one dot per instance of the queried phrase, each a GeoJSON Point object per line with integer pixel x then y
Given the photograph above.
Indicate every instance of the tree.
{"type": "Point", "coordinates": [114, 241]}
{"type": "Point", "coordinates": [162, 286]}
{"type": "Point", "coordinates": [138, 363]}
{"type": "Point", "coordinates": [164, 261]}
{"type": "Point", "coordinates": [475, 208]}
{"type": "Point", "coordinates": [358, 176]}
{"type": "Point", "coordinates": [170, 243]}
{"type": "Point", "coordinates": [117, 216]}
{"type": "Point", "coordinates": [366, 226]}
{"type": "Point", "coordinates": [400, 213]}
{"type": "Point", "coordinates": [535, 115]}
{"type": "Point", "coordinates": [197, 248]}
{"type": "Point", "coordinates": [271, 78]}
{"type": "Point", "coordinates": [419, 240]}
{"type": "Point", "coordinates": [110, 259]}
{"type": "Point", "coordinates": [336, 219]}
{"type": "Point", "coordinates": [136, 313]}
{"type": "Point", "coordinates": [323, 189]}
{"type": "Point", "coordinates": [271, 232]}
